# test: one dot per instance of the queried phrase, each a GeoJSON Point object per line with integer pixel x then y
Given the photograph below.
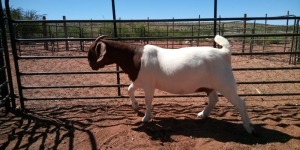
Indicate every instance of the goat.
{"type": "Point", "coordinates": [179, 71]}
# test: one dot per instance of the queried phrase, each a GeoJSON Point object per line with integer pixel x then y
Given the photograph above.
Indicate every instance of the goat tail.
{"type": "Point", "coordinates": [223, 42]}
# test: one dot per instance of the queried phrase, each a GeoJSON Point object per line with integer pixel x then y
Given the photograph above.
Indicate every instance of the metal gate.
{"type": "Point", "coordinates": [51, 63]}
{"type": "Point", "coordinates": [6, 87]}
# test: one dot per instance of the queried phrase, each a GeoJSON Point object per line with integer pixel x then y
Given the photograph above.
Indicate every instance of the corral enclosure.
{"type": "Point", "coordinates": [64, 104]}
{"type": "Point", "coordinates": [53, 59]}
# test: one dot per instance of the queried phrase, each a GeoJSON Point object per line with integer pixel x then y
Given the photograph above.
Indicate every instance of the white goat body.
{"type": "Point", "coordinates": [183, 71]}
{"type": "Point", "coordinates": [179, 71]}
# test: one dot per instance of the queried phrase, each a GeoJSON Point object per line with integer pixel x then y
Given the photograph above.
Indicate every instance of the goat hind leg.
{"type": "Point", "coordinates": [212, 100]}
{"type": "Point", "coordinates": [234, 99]}
{"type": "Point", "coordinates": [134, 103]}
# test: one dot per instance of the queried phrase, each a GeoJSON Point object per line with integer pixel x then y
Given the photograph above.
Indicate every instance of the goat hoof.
{"type": "Point", "coordinates": [252, 131]}
{"type": "Point", "coordinates": [255, 133]}
{"type": "Point", "coordinates": [200, 115]}
{"type": "Point", "coordinates": [146, 118]}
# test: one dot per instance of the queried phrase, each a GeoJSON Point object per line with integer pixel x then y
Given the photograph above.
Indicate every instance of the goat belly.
{"type": "Point", "coordinates": [184, 83]}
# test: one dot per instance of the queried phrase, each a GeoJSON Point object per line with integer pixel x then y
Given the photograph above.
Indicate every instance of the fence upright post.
{"type": "Point", "coordinates": [215, 19]}
{"type": "Point", "coordinates": [173, 32]}
{"type": "Point", "coordinates": [286, 31]}
{"type": "Point", "coordinates": [244, 32]}
{"type": "Point", "coordinates": [66, 32]}
{"type": "Point", "coordinates": [265, 28]}
{"type": "Point", "coordinates": [15, 54]}
{"type": "Point", "coordinates": [7, 91]}
{"type": "Point", "coordinates": [199, 25]}
{"type": "Point", "coordinates": [44, 25]}
{"type": "Point", "coordinates": [116, 35]}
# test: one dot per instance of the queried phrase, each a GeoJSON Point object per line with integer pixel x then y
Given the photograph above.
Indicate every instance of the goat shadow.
{"type": "Point", "coordinates": [162, 129]}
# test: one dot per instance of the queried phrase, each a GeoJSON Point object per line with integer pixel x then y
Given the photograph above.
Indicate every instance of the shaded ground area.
{"type": "Point", "coordinates": [112, 124]}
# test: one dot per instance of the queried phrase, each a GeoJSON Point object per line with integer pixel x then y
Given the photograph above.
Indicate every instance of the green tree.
{"type": "Point", "coordinates": [21, 14]}
{"type": "Point", "coordinates": [26, 30]}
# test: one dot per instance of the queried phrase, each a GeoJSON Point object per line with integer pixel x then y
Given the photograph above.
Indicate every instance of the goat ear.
{"type": "Point", "coordinates": [100, 50]}
{"type": "Point", "coordinates": [100, 38]}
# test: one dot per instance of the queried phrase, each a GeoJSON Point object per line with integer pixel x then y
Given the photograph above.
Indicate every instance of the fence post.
{"type": "Point", "coordinates": [167, 36]}
{"type": "Point", "coordinates": [264, 40]}
{"type": "Point", "coordinates": [244, 32]}
{"type": "Point", "coordinates": [81, 36]}
{"type": "Point", "coordinates": [45, 32]}
{"type": "Point", "coordinates": [15, 54]}
{"type": "Point", "coordinates": [66, 33]}
{"type": "Point", "coordinates": [173, 30]}
{"type": "Point", "coordinates": [5, 79]}
{"type": "Point", "coordinates": [215, 19]}
{"type": "Point", "coordinates": [297, 46]}
{"type": "Point", "coordinates": [199, 25]}
{"type": "Point", "coordinates": [252, 38]}
{"type": "Point", "coordinates": [286, 31]}
{"type": "Point", "coordinates": [116, 35]}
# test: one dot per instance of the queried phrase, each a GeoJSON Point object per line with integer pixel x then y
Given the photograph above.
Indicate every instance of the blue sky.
{"type": "Point", "coordinates": [157, 9]}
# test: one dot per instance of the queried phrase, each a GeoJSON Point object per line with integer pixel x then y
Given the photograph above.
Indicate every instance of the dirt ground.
{"type": "Point", "coordinates": [112, 124]}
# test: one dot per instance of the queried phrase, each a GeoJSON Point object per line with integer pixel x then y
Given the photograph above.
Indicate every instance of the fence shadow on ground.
{"type": "Point", "coordinates": [30, 128]}
{"type": "Point", "coordinates": [58, 126]}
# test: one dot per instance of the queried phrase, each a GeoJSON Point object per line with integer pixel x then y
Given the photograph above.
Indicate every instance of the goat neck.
{"type": "Point", "coordinates": [127, 56]}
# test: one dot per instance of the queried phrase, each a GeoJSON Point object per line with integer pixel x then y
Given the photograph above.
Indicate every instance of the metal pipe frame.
{"type": "Point", "coordinates": [21, 87]}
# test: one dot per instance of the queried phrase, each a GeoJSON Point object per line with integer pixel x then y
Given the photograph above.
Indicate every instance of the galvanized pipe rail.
{"type": "Point", "coordinates": [161, 20]}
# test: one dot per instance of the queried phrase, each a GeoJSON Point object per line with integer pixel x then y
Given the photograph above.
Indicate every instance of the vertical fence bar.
{"type": "Point", "coordinates": [44, 26]}
{"type": "Point", "coordinates": [3, 80]}
{"type": "Point", "coordinates": [244, 32]}
{"type": "Point", "coordinates": [148, 30]}
{"type": "Point", "coordinates": [173, 31]}
{"type": "Point", "coordinates": [264, 39]}
{"type": "Point", "coordinates": [66, 32]}
{"type": "Point", "coordinates": [167, 36]}
{"type": "Point", "coordinates": [14, 52]}
{"type": "Point", "coordinates": [297, 44]}
{"type": "Point", "coordinates": [252, 38]}
{"type": "Point", "coordinates": [92, 29]}
{"type": "Point", "coordinates": [286, 31]}
{"type": "Point", "coordinates": [116, 35]}
{"type": "Point", "coordinates": [219, 26]}
{"type": "Point", "coordinates": [215, 19]}
{"type": "Point", "coordinates": [199, 25]}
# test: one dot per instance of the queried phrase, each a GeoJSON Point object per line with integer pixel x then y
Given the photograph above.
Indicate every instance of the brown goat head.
{"type": "Point", "coordinates": [96, 54]}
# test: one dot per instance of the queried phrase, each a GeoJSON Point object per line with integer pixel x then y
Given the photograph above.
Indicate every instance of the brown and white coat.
{"type": "Point", "coordinates": [179, 71]}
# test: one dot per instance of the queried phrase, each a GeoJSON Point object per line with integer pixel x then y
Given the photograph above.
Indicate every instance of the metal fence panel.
{"type": "Point", "coordinates": [51, 62]}
{"type": "Point", "coordinates": [7, 98]}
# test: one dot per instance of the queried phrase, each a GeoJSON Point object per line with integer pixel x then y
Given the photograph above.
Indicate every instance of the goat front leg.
{"type": "Point", "coordinates": [149, 92]}
{"type": "Point", "coordinates": [134, 103]}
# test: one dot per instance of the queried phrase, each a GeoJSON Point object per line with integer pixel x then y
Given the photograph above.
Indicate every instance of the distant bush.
{"type": "Point", "coordinates": [26, 30]}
